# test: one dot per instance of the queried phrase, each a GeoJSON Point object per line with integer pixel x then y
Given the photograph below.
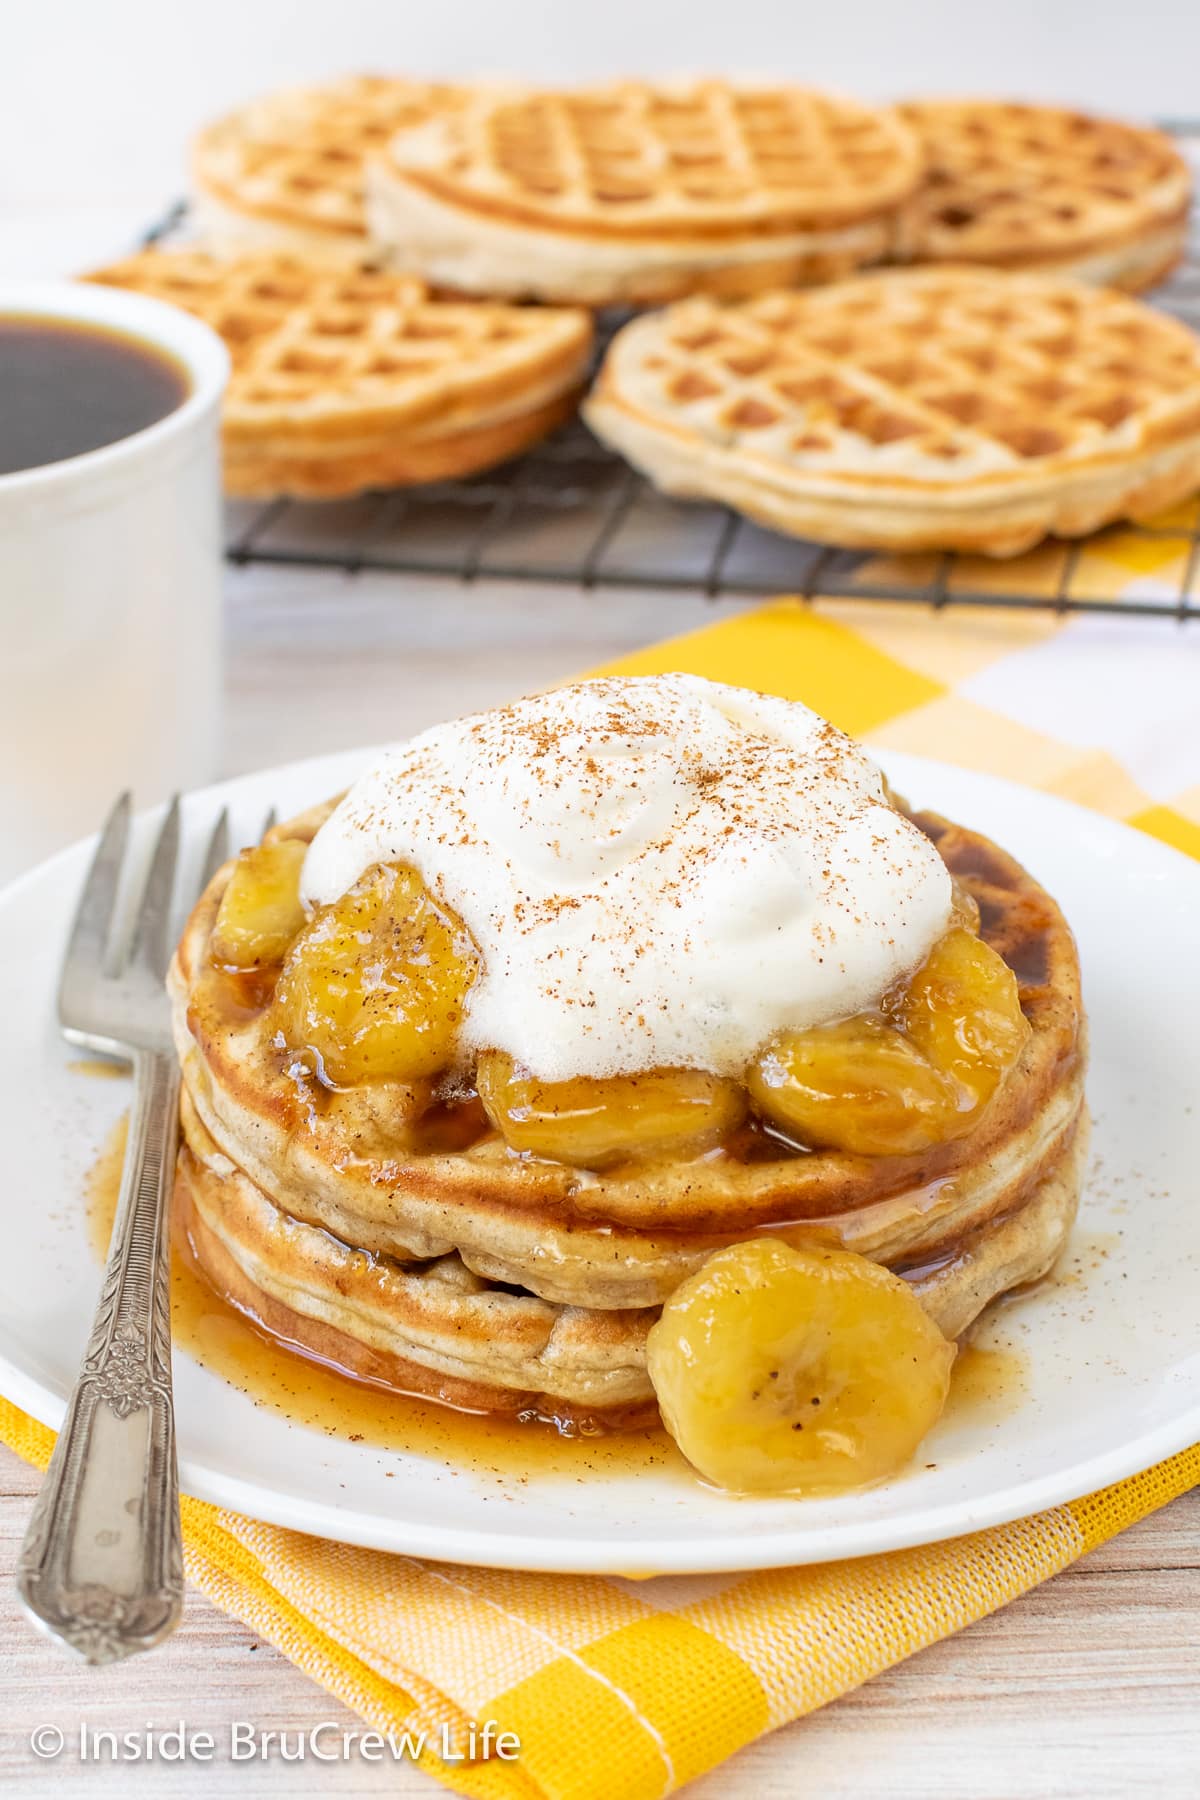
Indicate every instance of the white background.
{"type": "Point", "coordinates": [98, 97]}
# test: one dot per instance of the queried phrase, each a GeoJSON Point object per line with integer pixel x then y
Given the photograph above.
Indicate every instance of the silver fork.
{"type": "Point", "coordinates": [101, 1568]}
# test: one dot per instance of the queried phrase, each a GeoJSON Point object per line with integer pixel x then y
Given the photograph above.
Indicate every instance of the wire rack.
{"type": "Point", "coordinates": [571, 512]}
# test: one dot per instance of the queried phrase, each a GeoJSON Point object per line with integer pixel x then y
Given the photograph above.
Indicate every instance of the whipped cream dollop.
{"type": "Point", "coordinates": [658, 872]}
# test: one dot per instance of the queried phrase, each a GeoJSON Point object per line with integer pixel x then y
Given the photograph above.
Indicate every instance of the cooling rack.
{"type": "Point", "coordinates": [571, 512]}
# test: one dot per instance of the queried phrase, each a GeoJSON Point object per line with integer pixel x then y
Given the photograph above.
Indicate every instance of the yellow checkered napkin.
{"type": "Point", "coordinates": [622, 1690]}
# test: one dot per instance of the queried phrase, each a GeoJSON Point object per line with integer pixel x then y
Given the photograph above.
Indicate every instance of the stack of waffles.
{"type": "Point", "coordinates": [402, 1241]}
{"type": "Point", "coordinates": [635, 193]}
{"type": "Point", "coordinates": [1041, 189]}
{"type": "Point", "coordinates": [285, 172]}
{"type": "Point", "coordinates": [345, 379]}
{"type": "Point", "coordinates": [638, 192]}
{"type": "Point", "coordinates": [977, 400]}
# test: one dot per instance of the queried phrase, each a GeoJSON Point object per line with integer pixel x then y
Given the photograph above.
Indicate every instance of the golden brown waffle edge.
{"type": "Point", "coordinates": [939, 408]}
{"type": "Point", "coordinates": [346, 379]}
{"type": "Point", "coordinates": [636, 192]}
{"type": "Point", "coordinates": [1044, 188]}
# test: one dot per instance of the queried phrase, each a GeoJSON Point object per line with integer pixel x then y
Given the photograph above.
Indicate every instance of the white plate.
{"type": "Point", "coordinates": [1112, 1367]}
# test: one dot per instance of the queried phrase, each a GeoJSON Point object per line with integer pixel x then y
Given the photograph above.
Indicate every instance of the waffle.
{"type": "Point", "coordinates": [1037, 188]}
{"type": "Point", "coordinates": [434, 1328]}
{"type": "Point", "coordinates": [285, 173]}
{"type": "Point", "coordinates": [309, 1212]}
{"type": "Point", "coordinates": [345, 380]}
{"type": "Point", "coordinates": [429, 1328]}
{"type": "Point", "coordinates": [382, 1169]}
{"type": "Point", "coordinates": [927, 409]}
{"type": "Point", "coordinates": [638, 193]}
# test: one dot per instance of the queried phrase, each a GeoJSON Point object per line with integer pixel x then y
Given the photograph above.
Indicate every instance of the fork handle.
{"type": "Point", "coordinates": [101, 1568]}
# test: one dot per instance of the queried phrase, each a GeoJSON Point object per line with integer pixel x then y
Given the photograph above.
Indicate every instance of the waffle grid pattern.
{"type": "Point", "coordinates": [1006, 179]}
{"type": "Point", "coordinates": [322, 341]}
{"type": "Point", "coordinates": [571, 513]}
{"type": "Point", "coordinates": [299, 155]}
{"type": "Point", "coordinates": [944, 370]}
{"type": "Point", "coordinates": [638, 157]}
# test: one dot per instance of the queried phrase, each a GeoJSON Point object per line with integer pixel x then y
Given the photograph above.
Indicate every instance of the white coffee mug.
{"type": "Point", "coordinates": [110, 595]}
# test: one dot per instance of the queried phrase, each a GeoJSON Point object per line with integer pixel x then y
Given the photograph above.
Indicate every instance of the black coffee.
{"type": "Point", "coordinates": [67, 387]}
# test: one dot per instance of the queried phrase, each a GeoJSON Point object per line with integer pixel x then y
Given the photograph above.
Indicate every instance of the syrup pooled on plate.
{"type": "Point", "coordinates": [986, 1383]}
{"type": "Point", "coordinates": [316, 1395]}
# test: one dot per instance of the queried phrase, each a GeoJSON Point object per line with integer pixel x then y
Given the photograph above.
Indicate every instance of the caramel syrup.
{"type": "Point", "coordinates": [317, 1395]}
{"type": "Point", "coordinates": [104, 1067]}
{"type": "Point", "coordinates": [103, 1187]}
{"type": "Point", "coordinates": [987, 1383]}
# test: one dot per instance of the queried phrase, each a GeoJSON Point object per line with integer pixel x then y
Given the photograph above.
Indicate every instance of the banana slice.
{"type": "Point", "coordinates": [260, 911]}
{"type": "Point", "coordinates": [963, 1011]}
{"type": "Point", "coordinates": [806, 1371]}
{"type": "Point", "coordinates": [893, 1085]}
{"type": "Point", "coordinates": [595, 1123]}
{"type": "Point", "coordinates": [377, 982]}
{"type": "Point", "coordinates": [859, 1085]}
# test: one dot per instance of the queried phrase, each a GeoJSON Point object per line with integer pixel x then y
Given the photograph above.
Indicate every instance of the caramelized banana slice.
{"type": "Point", "coordinates": [876, 1088]}
{"type": "Point", "coordinates": [859, 1085]}
{"type": "Point", "coordinates": [806, 1371]}
{"type": "Point", "coordinates": [376, 983]}
{"type": "Point", "coordinates": [592, 1123]}
{"type": "Point", "coordinates": [963, 1010]}
{"type": "Point", "coordinates": [964, 908]}
{"type": "Point", "coordinates": [260, 911]}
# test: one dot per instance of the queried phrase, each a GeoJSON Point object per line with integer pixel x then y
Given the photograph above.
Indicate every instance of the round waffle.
{"type": "Point", "coordinates": [285, 172]}
{"type": "Point", "coordinates": [350, 379]}
{"type": "Point", "coordinates": [1035, 187]}
{"type": "Point", "coordinates": [638, 193]}
{"type": "Point", "coordinates": [927, 409]}
{"type": "Point", "coordinates": [384, 1168]}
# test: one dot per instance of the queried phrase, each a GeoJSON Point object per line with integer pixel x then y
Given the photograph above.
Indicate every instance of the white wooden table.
{"type": "Point", "coordinates": [1089, 1687]}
